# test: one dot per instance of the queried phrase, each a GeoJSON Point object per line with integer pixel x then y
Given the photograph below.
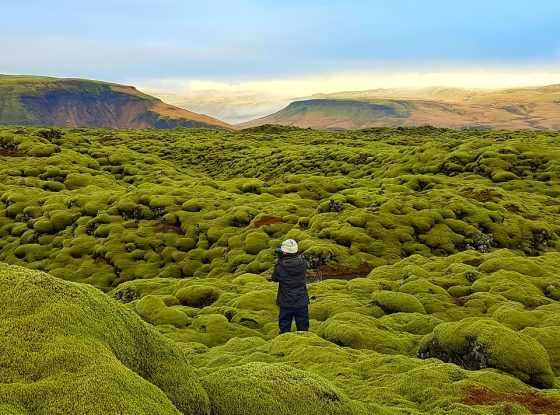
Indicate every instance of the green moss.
{"type": "Point", "coordinates": [512, 263]}
{"type": "Point", "coordinates": [61, 219]}
{"type": "Point", "coordinates": [255, 242]}
{"type": "Point", "coordinates": [154, 310]}
{"type": "Point", "coordinates": [43, 226]}
{"type": "Point", "coordinates": [516, 318]}
{"type": "Point", "coordinates": [442, 237]}
{"type": "Point", "coordinates": [18, 229]}
{"type": "Point", "coordinates": [32, 252]}
{"type": "Point", "coordinates": [422, 285]}
{"type": "Point", "coordinates": [212, 330]}
{"type": "Point", "coordinates": [185, 244]}
{"type": "Point", "coordinates": [361, 332]}
{"type": "Point", "coordinates": [58, 359]}
{"type": "Point", "coordinates": [53, 186]}
{"type": "Point", "coordinates": [148, 215]}
{"type": "Point", "coordinates": [396, 302]}
{"type": "Point", "coordinates": [258, 388]}
{"type": "Point", "coordinates": [250, 185]}
{"type": "Point", "coordinates": [512, 285]}
{"type": "Point", "coordinates": [460, 290]}
{"type": "Point", "coordinates": [194, 205]}
{"type": "Point", "coordinates": [198, 295]}
{"type": "Point", "coordinates": [241, 216]}
{"type": "Point", "coordinates": [413, 323]}
{"type": "Point", "coordinates": [161, 201]}
{"type": "Point", "coordinates": [549, 338]}
{"type": "Point", "coordinates": [479, 343]}
{"type": "Point", "coordinates": [257, 300]}
{"type": "Point", "coordinates": [77, 180]}
{"type": "Point", "coordinates": [40, 150]}
{"type": "Point", "coordinates": [189, 267]}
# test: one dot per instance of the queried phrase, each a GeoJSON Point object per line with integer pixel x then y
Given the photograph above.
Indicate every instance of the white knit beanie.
{"type": "Point", "coordinates": [289, 246]}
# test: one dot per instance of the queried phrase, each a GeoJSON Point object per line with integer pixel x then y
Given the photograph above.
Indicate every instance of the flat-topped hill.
{"type": "Point", "coordinates": [46, 101]}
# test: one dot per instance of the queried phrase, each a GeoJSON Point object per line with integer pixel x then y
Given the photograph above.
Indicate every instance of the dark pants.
{"type": "Point", "coordinates": [300, 315]}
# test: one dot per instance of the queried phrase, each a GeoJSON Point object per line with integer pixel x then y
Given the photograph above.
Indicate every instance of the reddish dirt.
{"type": "Point", "coordinates": [485, 195]}
{"type": "Point", "coordinates": [166, 228]}
{"type": "Point", "coordinates": [460, 301]}
{"type": "Point", "coordinates": [331, 272]}
{"type": "Point", "coordinates": [535, 402]}
{"type": "Point", "coordinates": [8, 152]}
{"type": "Point", "coordinates": [267, 220]}
{"type": "Point", "coordinates": [513, 208]}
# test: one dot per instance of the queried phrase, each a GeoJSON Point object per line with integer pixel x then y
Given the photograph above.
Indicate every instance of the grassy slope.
{"type": "Point", "coordinates": [440, 226]}
{"type": "Point", "coordinates": [153, 112]}
{"type": "Point", "coordinates": [442, 107]}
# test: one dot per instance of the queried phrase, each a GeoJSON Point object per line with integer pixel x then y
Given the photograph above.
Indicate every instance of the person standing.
{"type": "Point", "coordinates": [292, 298]}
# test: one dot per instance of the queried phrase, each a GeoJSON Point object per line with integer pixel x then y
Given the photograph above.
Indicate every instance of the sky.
{"type": "Point", "coordinates": [285, 47]}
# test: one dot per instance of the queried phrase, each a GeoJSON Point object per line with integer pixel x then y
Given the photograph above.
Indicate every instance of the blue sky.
{"type": "Point", "coordinates": [236, 41]}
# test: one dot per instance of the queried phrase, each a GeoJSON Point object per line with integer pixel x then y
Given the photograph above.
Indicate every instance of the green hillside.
{"type": "Point", "coordinates": [46, 101]}
{"type": "Point", "coordinates": [435, 287]}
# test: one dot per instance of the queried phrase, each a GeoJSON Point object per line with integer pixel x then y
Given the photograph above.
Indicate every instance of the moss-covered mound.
{"type": "Point", "coordinates": [69, 349]}
{"type": "Point", "coordinates": [105, 207]}
{"type": "Point", "coordinates": [394, 302]}
{"type": "Point", "coordinates": [415, 237]}
{"type": "Point", "coordinates": [261, 388]}
{"type": "Point", "coordinates": [480, 343]}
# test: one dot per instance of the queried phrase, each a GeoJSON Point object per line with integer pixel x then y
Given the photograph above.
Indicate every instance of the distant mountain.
{"type": "Point", "coordinates": [521, 108]}
{"type": "Point", "coordinates": [31, 100]}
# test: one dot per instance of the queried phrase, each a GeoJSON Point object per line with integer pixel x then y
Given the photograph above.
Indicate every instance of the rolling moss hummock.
{"type": "Point", "coordinates": [114, 206]}
{"type": "Point", "coordinates": [477, 343]}
{"type": "Point", "coordinates": [259, 388]}
{"type": "Point", "coordinates": [435, 282]}
{"type": "Point", "coordinates": [67, 348]}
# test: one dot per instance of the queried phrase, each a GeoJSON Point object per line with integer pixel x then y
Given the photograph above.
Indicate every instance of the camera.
{"type": "Point", "coordinates": [278, 252]}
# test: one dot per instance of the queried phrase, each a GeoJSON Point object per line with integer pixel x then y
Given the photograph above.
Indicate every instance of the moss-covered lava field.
{"type": "Point", "coordinates": [435, 280]}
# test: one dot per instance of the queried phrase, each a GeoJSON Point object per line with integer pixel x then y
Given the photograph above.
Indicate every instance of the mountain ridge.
{"type": "Point", "coordinates": [513, 108]}
{"type": "Point", "coordinates": [75, 102]}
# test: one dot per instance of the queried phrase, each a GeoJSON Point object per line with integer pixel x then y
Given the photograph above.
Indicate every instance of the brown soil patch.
{"type": "Point", "coordinates": [485, 195]}
{"type": "Point", "coordinates": [166, 228]}
{"type": "Point", "coordinates": [460, 301]}
{"type": "Point", "coordinates": [267, 220]}
{"type": "Point", "coordinates": [513, 208]}
{"type": "Point", "coordinates": [8, 152]}
{"type": "Point", "coordinates": [535, 402]}
{"type": "Point", "coordinates": [326, 272]}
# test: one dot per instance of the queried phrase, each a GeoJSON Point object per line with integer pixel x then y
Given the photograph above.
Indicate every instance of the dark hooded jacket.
{"type": "Point", "coordinates": [289, 272]}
